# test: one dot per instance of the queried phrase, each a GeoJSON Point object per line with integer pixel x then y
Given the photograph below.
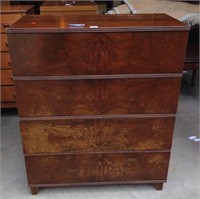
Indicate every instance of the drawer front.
{"type": "Point", "coordinates": [97, 135]}
{"type": "Point", "coordinates": [5, 60]}
{"type": "Point", "coordinates": [80, 168]}
{"type": "Point", "coordinates": [97, 53]}
{"type": "Point", "coordinates": [57, 13]}
{"type": "Point", "coordinates": [97, 97]}
{"type": "Point", "coordinates": [6, 77]}
{"type": "Point", "coordinates": [8, 19]}
{"type": "Point", "coordinates": [4, 42]}
{"type": "Point", "coordinates": [7, 93]}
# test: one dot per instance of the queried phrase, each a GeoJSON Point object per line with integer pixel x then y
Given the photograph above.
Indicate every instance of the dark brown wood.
{"type": "Point", "coordinates": [100, 77]}
{"type": "Point", "coordinates": [97, 135]}
{"type": "Point", "coordinates": [84, 117]}
{"type": "Point", "coordinates": [102, 183]}
{"type": "Point", "coordinates": [8, 104]}
{"type": "Point", "coordinates": [97, 97]}
{"type": "Point", "coordinates": [61, 54]}
{"type": "Point", "coordinates": [96, 168]}
{"type": "Point", "coordinates": [105, 23]}
{"type": "Point", "coordinates": [97, 106]}
{"type": "Point", "coordinates": [159, 186]}
{"type": "Point", "coordinates": [34, 190]}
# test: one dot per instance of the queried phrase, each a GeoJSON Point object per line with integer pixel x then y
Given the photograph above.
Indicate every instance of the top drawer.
{"type": "Point", "coordinates": [97, 53]}
{"type": "Point", "coordinates": [8, 19]}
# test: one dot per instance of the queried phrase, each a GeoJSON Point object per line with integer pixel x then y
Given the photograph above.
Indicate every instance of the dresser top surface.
{"type": "Point", "coordinates": [15, 9]}
{"type": "Point", "coordinates": [67, 5]}
{"type": "Point", "coordinates": [97, 23]}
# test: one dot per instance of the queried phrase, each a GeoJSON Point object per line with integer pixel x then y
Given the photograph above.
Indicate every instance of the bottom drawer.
{"type": "Point", "coordinates": [7, 93]}
{"type": "Point", "coordinates": [84, 168]}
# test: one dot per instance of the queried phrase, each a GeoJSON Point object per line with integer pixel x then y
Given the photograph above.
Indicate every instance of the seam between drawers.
{"type": "Point", "coordinates": [97, 152]}
{"type": "Point", "coordinates": [88, 77]}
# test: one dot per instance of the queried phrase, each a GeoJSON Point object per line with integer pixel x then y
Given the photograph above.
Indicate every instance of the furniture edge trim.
{"type": "Point", "coordinates": [113, 29]}
{"type": "Point", "coordinates": [100, 183]}
{"type": "Point", "coordinates": [87, 77]}
{"type": "Point", "coordinates": [86, 117]}
{"type": "Point", "coordinates": [97, 152]}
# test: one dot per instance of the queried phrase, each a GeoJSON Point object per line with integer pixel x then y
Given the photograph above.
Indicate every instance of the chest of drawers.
{"type": "Point", "coordinates": [9, 15]}
{"type": "Point", "coordinates": [97, 105]}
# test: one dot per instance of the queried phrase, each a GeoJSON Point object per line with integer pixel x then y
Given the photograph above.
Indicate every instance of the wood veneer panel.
{"type": "Point", "coordinates": [96, 168]}
{"type": "Point", "coordinates": [6, 77]}
{"type": "Point", "coordinates": [96, 135]}
{"type": "Point", "coordinates": [97, 53]}
{"type": "Point", "coordinates": [97, 97]}
{"type": "Point", "coordinates": [4, 43]}
{"type": "Point", "coordinates": [7, 94]}
{"type": "Point", "coordinates": [5, 59]}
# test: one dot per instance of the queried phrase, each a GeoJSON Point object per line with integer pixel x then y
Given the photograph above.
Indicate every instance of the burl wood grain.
{"type": "Point", "coordinates": [97, 97]}
{"type": "Point", "coordinates": [97, 53]}
{"type": "Point", "coordinates": [96, 135]}
{"type": "Point", "coordinates": [96, 168]}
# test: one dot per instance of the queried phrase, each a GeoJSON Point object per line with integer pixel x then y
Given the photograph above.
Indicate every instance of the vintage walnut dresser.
{"type": "Point", "coordinates": [9, 15]}
{"type": "Point", "coordinates": [97, 104]}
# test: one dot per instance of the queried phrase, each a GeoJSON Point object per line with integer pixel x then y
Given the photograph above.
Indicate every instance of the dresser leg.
{"type": "Point", "coordinates": [159, 186]}
{"type": "Point", "coordinates": [34, 190]}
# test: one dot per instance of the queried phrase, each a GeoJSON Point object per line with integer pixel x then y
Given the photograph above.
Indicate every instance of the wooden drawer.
{"type": "Point", "coordinates": [5, 60]}
{"type": "Point", "coordinates": [8, 19]}
{"type": "Point", "coordinates": [98, 53]}
{"type": "Point", "coordinates": [69, 13]}
{"type": "Point", "coordinates": [97, 97]}
{"type": "Point", "coordinates": [7, 94]}
{"type": "Point", "coordinates": [4, 43]}
{"type": "Point", "coordinates": [6, 77]}
{"type": "Point", "coordinates": [83, 168]}
{"type": "Point", "coordinates": [97, 135]}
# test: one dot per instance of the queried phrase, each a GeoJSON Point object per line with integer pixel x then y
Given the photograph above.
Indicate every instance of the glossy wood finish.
{"type": "Point", "coordinates": [105, 23]}
{"type": "Point", "coordinates": [97, 97]}
{"type": "Point", "coordinates": [66, 52]}
{"type": "Point", "coordinates": [97, 105]}
{"type": "Point", "coordinates": [96, 168]}
{"type": "Point", "coordinates": [97, 135]}
{"type": "Point", "coordinates": [9, 15]}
